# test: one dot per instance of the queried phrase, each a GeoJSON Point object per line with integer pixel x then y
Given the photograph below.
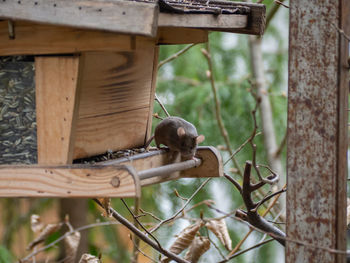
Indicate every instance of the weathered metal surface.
{"type": "Point", "coordinates": [317, 130]}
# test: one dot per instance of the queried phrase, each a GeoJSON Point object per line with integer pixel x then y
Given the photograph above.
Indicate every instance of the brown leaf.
{"type": "Point", "coordinates": [106, 203]}
{"type": "Point", "coordinates": [198, 247]}
{"type": "Point", "coordinates": [87, 258]}
{"type": "Point", "coordinates": [219, 228]}
{"type": "Point", "coordinates": [184, 239]}
{"type": "Point", "coordinates": [44, 233]}
{"type": "Point", "coordinates": [71, 244]}
{"type": "Point", "coordinates": [35, 223]}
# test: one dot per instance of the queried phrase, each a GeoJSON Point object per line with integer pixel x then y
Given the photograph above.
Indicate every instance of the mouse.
{"type": "Point", "coordinates": [178, 135]}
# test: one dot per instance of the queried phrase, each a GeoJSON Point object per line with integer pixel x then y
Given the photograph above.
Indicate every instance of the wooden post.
{"type": "Point", "coordinates": [317, 130]}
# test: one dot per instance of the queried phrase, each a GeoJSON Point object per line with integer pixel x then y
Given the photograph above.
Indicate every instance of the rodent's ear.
{"type": "Point", "coordinates": [200, 138]}
{"type": "Point", "coordinates": [181, 132]}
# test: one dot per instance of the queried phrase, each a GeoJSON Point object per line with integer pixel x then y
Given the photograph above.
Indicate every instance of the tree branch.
{"type": "Point", "coordinates": [142, 236]}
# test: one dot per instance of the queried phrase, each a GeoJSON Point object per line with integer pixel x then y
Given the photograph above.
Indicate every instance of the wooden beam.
{"type": "Point", "coordinates": [317, 130]}
{"type": "Point", "coordinates": [211, 164]}
{"type": "Point", "coordinates": [122, 16]}
{"type": "Point", "coordinates": [68, 181]}
{"type": "Point", "coordinates": [254, 22]}
{"type": "Point", "coordinates": [173, 35]}
{"type": "Point", "coordinates": [36, 39]}
{"type": "Point", "coordinates": [56, 107]}
{"type": "Point", "coordinates": [203, 21]}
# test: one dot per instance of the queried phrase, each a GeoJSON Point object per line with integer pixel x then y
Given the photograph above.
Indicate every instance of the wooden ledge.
{"type": "Point", "coordinates": [211, 164]}
{"type": "Point", "coordinates": [68, 181]}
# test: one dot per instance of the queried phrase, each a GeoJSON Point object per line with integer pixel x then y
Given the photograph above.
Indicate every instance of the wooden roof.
{"type": "Point", "coordinates": [140, 17]}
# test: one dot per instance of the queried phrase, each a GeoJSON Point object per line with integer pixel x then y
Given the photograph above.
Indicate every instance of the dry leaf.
{"type": "Point", "coordinates": [44, 233]}
{"type": "Point", "coordinates": [219, 228]}
{"type": "Point", "coordinates": [198, 247]}
{"type": "Point", "coordinates": [71, 244]}
{"type": "Point", "coordinates": [35, 223]}
{"type": "Point", "coordinates": [106, 203]}
{"type": "Point", "coordinates": [184, 239]}
{"type": "Point", "coordinates": [87, 258]}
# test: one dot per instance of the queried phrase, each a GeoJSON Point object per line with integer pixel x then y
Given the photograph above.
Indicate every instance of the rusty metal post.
{"type": "Point", "coordinates": [317, 129]}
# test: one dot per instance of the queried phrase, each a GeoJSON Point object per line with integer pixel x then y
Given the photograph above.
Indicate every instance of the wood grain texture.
{"type": "Point", "coordinates": [173, 35]}
{"type": "Point", "coordinates": [206, 21]}
{"type": "Point", "coordinates": [68, 181]}
{"type": "Point", "coordinates": [56, 107]}
{"type": "Point", "coordinates": [115, 100]}
{"type": "Point", "coordinates": [117, 16]}
{"type": "Point", "coordinates": [211, 164]}
{"type": "Point", "coordinates": [36, 39]}
{"type": "Point", "coordinates": [317, 130]}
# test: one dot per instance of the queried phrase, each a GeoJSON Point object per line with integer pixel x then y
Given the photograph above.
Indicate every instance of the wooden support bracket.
{"type": "Point", "coordinates": [211, 165]}
{"type": "Point", "coordinates": [68, 181]}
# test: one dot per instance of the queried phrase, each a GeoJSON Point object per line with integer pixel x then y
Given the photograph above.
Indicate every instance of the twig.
{"type": "Point", "coordinates": [161, 105]}
{"type": "Point", "coordinates": [265, 199]}
{"type": "Point", "coordinates": [340, 31]}
{"type": "Point", "coordinates": [270, 179]}
{"type": "Point", "coordinates": [142, 236]}
{"type": "Point", "coordinates": [224, 133]}
{"type": "Point", "coordinates": [136, 240]}
{"type": "Point", "coordinates": [280, 148]}
{"type": "Point", "coordinates": [182, 208]}
{"type": "Point", "coordinates": [139, 223]}
{"type": "Point", "coordinates": [65, 235]}
{"type": "Point", "coordinates": [179, 196]}
{"type": "Point", "coordinates": [216, 247]}
{"type": "Point", "coordinates": [271, 205]}
{"type": "Point", "coordinates": [176, 55]}
{"type": "Point", "coordinates": [234, 182]}
{"type": "Point", "coordinates": [240, 148]}
{"type": "Point", "coordinates": [246, 250]}
{"type": "Point", "coordinates": [280, 3]}
{"type": "Point", "coordinates": [150, 214]}
{"type": "Point", "coordinates": [251, 215]}
{"type": "Point", "coordinates": [139, 250]}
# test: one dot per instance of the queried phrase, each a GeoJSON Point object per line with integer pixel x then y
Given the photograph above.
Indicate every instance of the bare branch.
{"type": "Point", "coordinates": [246, 250]}
{"type": "Point", "coordinates": [224, 133]}
{"type": "Point", "coordinates": [142, 236]}
{"type": "Point", "coordinates": [161, 105]}
{"type": "Point", "coordinates": [234, 182]}
{"type": "Point", "coordinates": [139, 250]}
{"type": "Point", "coordinates": [53, 243]}
{"type": "Point", "coordinates": [139, 223]}
{"type": "Point", "coordinates": [176, 55]}
{"type": "Point", "coordinates": [182, 208]}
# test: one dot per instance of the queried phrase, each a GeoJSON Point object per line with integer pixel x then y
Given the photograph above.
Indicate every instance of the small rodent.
{"type": "Point", "coordinates": [179, 135]}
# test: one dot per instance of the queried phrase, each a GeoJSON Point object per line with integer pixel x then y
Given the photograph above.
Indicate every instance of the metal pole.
{"type": "Point", "coordinates": [168, 169]}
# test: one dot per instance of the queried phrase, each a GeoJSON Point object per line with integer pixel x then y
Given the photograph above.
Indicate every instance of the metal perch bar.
{"type": "Point", "coordinates": [170, 168]}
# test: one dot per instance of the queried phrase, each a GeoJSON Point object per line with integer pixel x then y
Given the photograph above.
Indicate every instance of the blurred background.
{"type": "Point", "coordinates": [243, 67]}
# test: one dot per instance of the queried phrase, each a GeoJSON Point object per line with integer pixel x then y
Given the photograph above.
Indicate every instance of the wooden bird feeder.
{"type": "Point", "coordinates": [95, 75]}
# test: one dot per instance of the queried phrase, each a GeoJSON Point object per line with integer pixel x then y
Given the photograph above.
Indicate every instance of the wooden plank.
{"type": "Point", "coordinates": [211, 164]}
{"type": "Point", "coordinates": [56, 107]}
{"type": "Point", "coordinates": [317, 130]}
{"type": "Point", "coordinates": [122, 130]}
{"type": "Point", "coordinates": [255, 23]}
{"type": "Point", "coordinates": [115, 100]}
{"type": "Point", "coordinates": [207, 21]}
{"type": "Point", "coordinates": [116, 16]}
{"type": "Point", "coordinates": [173, 35]}
{"type": "Point", "coordinates": [36, 39]}
{"type": "Point", "coordinates": [68, 181]}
